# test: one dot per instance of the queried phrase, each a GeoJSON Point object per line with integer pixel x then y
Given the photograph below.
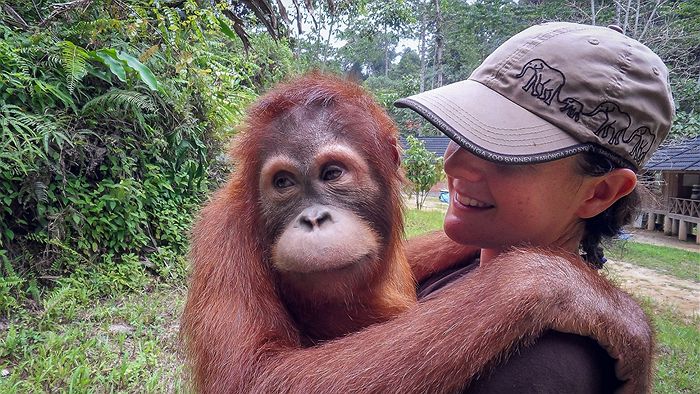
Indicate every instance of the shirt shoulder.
{"type": "Point", "coordinates": [555, 363]}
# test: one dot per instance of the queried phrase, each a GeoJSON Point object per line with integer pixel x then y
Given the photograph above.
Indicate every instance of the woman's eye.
{"type": "Point", "coordinates": [331, 173]}
{"type": "Point", "coordinates": [282, 182]}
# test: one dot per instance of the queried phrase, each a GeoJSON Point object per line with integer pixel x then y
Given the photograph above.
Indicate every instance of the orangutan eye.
{"type": "Point", "coordinates": [331, 172]}
{"type": "Point", "coordinates": [283, 181]}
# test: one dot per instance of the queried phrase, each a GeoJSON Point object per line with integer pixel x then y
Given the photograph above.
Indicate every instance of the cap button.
{"type": "Point", "coordinates": [616, 28]}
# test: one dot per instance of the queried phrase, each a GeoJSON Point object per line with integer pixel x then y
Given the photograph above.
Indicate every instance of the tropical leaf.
{"type": "Point", "coordinates": [226, 29]}
{"type": "Point", "coordinates": [109, 58]}
{"type": "Point", "coordinates": [149, 52]}
{"type": "Point", "coordinates": [144, 72]}
{"type": "Point", "coordinates": [58, 92]}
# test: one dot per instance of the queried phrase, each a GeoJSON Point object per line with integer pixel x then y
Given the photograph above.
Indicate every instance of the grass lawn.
{"type": "Point", "coordinates": [125, 344]}
{"type": "Point", "coordinates": [677, 350]}
{"type": "Point", "coordinates": [419, 222]}
{"type": "Point", "coordinates": [128, 343]}
{"type": "Point", "coordinates": [680, 263]}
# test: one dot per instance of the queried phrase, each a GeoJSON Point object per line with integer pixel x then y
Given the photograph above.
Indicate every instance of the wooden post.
{"type": "Point", "coordinates": [668, 225]}
{"type": "Point", "coordinates": [683, 230]}
{"type": "Point", "coordinates": [697, 233]}
{"type": "Point", "coordinates": [651, 221]}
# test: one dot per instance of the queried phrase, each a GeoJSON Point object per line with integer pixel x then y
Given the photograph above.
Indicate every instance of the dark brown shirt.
{"type": "Point", "coordinates": [555, 363]}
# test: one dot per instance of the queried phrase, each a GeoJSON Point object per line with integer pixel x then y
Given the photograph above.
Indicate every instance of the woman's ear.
{"type": "Point", "coordinates": [605, 190]}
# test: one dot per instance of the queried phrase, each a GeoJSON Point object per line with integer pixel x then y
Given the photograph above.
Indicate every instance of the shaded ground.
{"type": "Point", "coordinates": [431, 203]}
{"type": "Point", "coordinates": [684, 295]}
{"type": "Point", "coordinates": [658, 238]}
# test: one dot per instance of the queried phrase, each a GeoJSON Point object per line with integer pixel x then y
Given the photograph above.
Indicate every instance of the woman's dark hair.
{"type": "Point", "coordinates": [608, 223]}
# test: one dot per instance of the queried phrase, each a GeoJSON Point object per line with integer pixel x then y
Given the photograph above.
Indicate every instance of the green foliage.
{"type": "Point", "coordinates": [110, 117]}
{"type": "Point", "coordinates": [74, 60]}
{"type": "Point", "coordinates": [685, 125]}
{"type": "Point", "coordinates": [423, 169]}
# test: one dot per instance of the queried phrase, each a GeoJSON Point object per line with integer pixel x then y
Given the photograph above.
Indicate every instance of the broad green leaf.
{"type": "Point", "coordinates": [144, 72]}
{"type": "Point", "coordinates": [109, 58]}
{"type": "Point", "coordinates": [226, 29]}
{"type": "Point", "coordinates": [57, 92]}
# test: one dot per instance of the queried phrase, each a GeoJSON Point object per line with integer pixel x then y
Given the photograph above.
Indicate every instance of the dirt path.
{"type": "Point", "coordinates": [681, 294]}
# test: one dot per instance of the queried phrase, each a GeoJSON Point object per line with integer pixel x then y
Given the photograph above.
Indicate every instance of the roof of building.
{"type": "Point", "coordinates": [683, 155]}
{"type": "Point", "coordinates": [436, 145]}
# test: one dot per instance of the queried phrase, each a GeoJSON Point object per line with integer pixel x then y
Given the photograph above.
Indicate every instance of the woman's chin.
{"type": "Point", "coordinates": [458, 230]}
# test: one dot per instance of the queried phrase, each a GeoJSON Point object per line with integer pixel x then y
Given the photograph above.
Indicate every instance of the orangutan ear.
{"type": "Point", "coordinates": [605, 190]}
{"type": "Point", "coordinates": [396, 152]}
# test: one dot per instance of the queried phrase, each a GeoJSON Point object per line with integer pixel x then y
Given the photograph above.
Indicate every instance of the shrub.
{"type": "Point", "coordinates": [109, 122]}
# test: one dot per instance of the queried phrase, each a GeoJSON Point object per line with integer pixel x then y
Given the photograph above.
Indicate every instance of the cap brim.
{"type": "Point", "coordinates": [491, 126]}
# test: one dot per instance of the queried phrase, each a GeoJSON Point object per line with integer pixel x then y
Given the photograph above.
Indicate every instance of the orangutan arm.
{"type": "Point", "coordinates": [441, 344]}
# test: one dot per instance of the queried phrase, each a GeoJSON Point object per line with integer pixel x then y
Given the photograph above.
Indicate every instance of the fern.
{"type": "Point", "coordinates": [74, 60]}
{"type": "Point", "coordinates": [16, 126]}
{"type": "Point", "coordinates": [56, 299]}
{"type": "Point", "coordinates": [40, 192]}
{"type": "Point", "coordinates": [119, 100]}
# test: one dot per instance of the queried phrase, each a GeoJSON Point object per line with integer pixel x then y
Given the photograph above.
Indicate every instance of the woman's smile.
{"type": "Point", "coordinates": [463, 201]}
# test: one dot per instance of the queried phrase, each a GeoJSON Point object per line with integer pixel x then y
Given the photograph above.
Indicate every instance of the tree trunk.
{"type": "Point", "coordinates": [439, 44]}
{"type": "Point", "coordinates": [649, 20]}
{"type": "Point", "coordinates": [386, 53]}
{"type": "Point", "coordinates": [636, 19]}
{"type": "Point", "coordinates": [386, 61]}
{"type": "Point", "coordinates": [593, 12]}
{"type": "Point", "coordinates": [423, 25]}
{"type": "Point", "coordinates": [627, 16]}
{"type": "Point", "coordinates": [328, 39]}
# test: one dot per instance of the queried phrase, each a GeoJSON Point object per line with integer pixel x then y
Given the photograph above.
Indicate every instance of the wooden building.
{"type": "Point", "coordinates": [675, 207]}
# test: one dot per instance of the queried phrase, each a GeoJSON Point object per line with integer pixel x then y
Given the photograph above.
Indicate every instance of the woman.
{"type": "Point", "coordinates": [547, 134]}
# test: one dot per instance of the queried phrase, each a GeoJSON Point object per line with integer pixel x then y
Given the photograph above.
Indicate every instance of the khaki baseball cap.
{"type": "Point", "coordinates": [554, 90]}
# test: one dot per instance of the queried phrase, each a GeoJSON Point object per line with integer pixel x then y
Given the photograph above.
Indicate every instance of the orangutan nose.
{"type": "Point", "coordinates": [314, 217]}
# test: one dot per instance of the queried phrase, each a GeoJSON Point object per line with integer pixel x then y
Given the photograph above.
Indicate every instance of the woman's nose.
{"type": "Point", "coordinates": [462, 164]}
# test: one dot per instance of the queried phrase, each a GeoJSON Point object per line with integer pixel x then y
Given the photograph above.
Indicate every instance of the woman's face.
{"type": "Point", "coordinates": [495, 206]}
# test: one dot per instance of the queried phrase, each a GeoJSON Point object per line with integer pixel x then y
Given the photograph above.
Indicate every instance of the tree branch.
{"type": "Point", "coordinates": [62, 8]}
{"type": "Point", "coordinates": [16, 18]}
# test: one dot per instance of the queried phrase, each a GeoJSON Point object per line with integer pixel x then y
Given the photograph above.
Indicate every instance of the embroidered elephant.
{"type": "Point", "coordinates": [545, 81]}
{"type": "Point", "coordinates": [641, 141]}
{"type": "Point", "coordinates": [572, 107]}
{"type": "Point", "coordinates": [615, 123]}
